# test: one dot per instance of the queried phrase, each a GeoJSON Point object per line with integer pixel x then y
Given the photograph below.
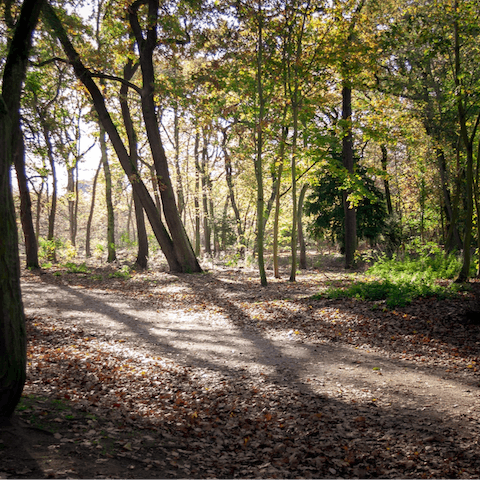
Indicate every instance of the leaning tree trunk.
{"type": "Point", "coordinates": [176, 262]}
{"type": "Point", "coordinates": [31, 245]}
{"type": "Point", "coordinates": [142, 252]}
{"type": "Point", "coordinates": [13, 351]}
{"type": "Point", "coordinates": [146, 46]}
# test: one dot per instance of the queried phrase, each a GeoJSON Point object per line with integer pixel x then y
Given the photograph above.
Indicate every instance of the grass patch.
{"type": "Point", "coordinates": [399, 282]}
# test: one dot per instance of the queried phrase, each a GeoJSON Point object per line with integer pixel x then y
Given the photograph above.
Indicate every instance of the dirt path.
{"type": "Point", "coordinates": [225, 329]}
{"type": "Point", "coordinates": [214, 342]}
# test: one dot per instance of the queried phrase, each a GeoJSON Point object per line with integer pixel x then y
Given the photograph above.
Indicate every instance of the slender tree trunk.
{"type": "Point", "coordinates": [31, 245]}
{"type": "Point", "coordinates": [197, 195]}
{"type": "Point", "coordinates": [13, 344]}
{"type": "Point", "coordinates": [88, 252]}
{"type": "Point", "coordinates": [39, 212]}
{"type": "Point", "coordinates": [231, 195]}
{"type": "Point", "coordinates": [53, 207]}
{"type": "Point", "coordinates": [111, 249]}
{"type": "Point", "coordinates": [386, 183]}
{"type": "Point", "coordinates": [276, 223]}
{"type": "Point", "coordinates": [451, 218]}
{"type": "Point", "coordinates": [71, 202]}
{"type": "Point", "coordinates": [207, 232]}
{"type": "Point", "coordinates": [294, 186]}
{"type": "Point", "coordinates": [468, 141]}
{"type": "Point", "coordinates": [259, 145]}
{"type": "Point", "coordinates": [301, 237]}
{"type": "Point", "coordinates": [348, 163]}
{"type": "Point", "coordinates": [176, 136]}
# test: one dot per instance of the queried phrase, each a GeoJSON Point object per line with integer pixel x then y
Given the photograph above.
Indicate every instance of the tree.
{"type": "Point", "coordinates": [177, 248]}
{"type": "Point", "coordinates": [326, 205]}
{"type": "Point", "coordinates": [13, 352]}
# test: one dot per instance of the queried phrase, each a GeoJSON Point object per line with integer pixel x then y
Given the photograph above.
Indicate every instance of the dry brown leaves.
{"type": "Point", "coordinates": [198, 423]}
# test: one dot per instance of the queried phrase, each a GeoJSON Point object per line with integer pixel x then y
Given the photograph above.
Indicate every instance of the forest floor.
{"type": "Point", "coordinates": [212, 376]}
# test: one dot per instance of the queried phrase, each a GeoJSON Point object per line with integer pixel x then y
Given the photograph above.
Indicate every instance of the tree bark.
{"type": "Point", "coordinates": [348, 163]}
{"type": "Point", "coordinates": [13, 351]}
{"type": "Point", "coordinates": [111, 249]}
{"type": "Point", "coordinates": [259, 153]}
{"type": "Point", "coordinates": [197, 194]}
{"type": "Point", "coordinates": [146, 45]}
{"type": "Point", "coordinates": [386, 183]}
{"type": "Point", "coordinates": [31, 245]}
{"type": "Point", "coordinates": [88, 252]}
{"type": "Point", "coordinates": [142, 252]}
{"type": "Point", "coordinates": [301, 238]}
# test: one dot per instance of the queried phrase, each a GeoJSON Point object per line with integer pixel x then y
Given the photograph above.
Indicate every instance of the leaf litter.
{"type": "Point", "coordinates": [211, 376]}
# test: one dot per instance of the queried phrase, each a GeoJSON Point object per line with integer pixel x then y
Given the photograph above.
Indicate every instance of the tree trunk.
{"type": "Point", "coordinates": [348, 163]}
{"type": "Point", "coordinates": [53, 207]}
{"type": "Point", "coordinates": [176, 136]}
{"type": "Point", "coordinates": [31, 245]}
{"type": "Point", "coordinates": [276, 223]}
{"type": "Point", "coordinates": [176, 262]}
{"type": "Point", "coordinates": [112, 254]}
{"type": "Point", "coordinates": [207, 232]}
{"type": "Point", "coordinates": [451, 219]}
{"type": "Point", "coordinates": [88, 252]}
{"type": "Point", "coordinates": [181, 243]}
{"type": "Point", "coordinates": [293, 243]}
{"type": "Point", "coordinates": [301, 237]}
{"type": "Point", "coordinates": [386, 183]}
{"type": "Point", "coordinates": [259, 145]}
{"type": "Point", "coordinates": [231, 195]}
{"type": "Point", "coordinates": [142, 252]}
{"type": "Point", "coordinates": [197, 195]}
{"type": "Point", "coordinates": [13, 351]}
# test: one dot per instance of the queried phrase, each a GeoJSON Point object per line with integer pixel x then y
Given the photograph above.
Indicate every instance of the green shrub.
{"type": "Point", "coordinates": [124, 273]}
{"type": "Point", "coordinates": [74, 268]}
{"type": "Point", "coordinates": [400, 282]}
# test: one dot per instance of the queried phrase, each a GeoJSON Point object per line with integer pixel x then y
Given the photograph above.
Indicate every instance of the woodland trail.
{"type": "Point", "coordinates": [397, 408]}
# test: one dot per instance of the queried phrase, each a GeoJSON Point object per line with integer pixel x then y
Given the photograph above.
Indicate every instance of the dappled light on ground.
{"type": "Point", "coordinates": [232, 380]}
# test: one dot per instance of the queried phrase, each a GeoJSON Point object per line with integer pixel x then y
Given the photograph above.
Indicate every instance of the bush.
{"type": "Point", "coordinates": [400, 282]}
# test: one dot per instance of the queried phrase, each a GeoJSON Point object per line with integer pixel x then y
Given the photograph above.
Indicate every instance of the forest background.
{"type": "Point", "coordinates": [232, 114]}
{"type": "Point", "coordinates": [215, 120]}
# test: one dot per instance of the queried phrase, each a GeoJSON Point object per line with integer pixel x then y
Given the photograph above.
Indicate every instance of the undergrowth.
{"type": "Point", "coordinates": [399, 282]}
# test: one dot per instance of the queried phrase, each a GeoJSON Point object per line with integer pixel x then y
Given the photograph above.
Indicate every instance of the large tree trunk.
{"type": "Point", "coordinates": [31, 245]}
{"type": "Point", "coordinates": [146, 46]}
{"type": "Point", "coordinates": [348, 163]}
{"type": "Point", "coordinates": [142, 252]}
{"type": "Point", "coordinates": [13, 351]}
